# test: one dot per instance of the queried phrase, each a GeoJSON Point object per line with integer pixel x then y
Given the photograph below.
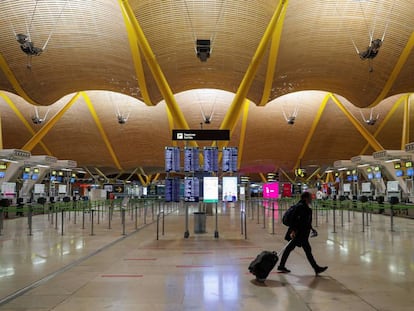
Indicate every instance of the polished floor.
{"type": "Point", "coordinates": [118, 267]}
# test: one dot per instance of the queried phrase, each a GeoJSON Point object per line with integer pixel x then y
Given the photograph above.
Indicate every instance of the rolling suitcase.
{"type": "Point", "coordinates": [264, 263]}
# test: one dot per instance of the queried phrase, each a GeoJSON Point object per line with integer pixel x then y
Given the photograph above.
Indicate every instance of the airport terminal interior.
{"type": "Point", "coordinates": [150, 149]}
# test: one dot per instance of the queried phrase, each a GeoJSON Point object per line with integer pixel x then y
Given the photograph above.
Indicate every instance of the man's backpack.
{"type": "Point", "coordinates": [289, 217]}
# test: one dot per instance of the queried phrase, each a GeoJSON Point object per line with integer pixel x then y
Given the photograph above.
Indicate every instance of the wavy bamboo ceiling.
{"type": "Point", "coordinates": [144, 53]}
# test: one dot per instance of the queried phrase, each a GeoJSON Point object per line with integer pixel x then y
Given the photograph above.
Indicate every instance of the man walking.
{"type": "Point", "coordinates": [299, 233]}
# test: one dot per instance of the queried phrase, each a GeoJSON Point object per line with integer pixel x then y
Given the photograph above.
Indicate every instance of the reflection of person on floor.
{"type": "Point", "coordinates": [299, 234]}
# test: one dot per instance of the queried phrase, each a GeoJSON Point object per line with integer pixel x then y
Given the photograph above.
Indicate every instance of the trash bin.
{"type": "Point", "coordinates": [199, 222]}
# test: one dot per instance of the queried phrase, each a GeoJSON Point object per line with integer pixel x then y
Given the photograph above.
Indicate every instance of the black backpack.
{"type": "Point", "coordinates": [289, 217]}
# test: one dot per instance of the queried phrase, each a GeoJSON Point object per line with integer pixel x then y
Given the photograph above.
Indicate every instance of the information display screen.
{"type": "Point", "coordinates": [191, 159]}
{"type": "Point", "coordinates": [229, 189]}
{"type": "Point", "coordinates": [210, 189]}
{"type": "Point", "coordinates": [172, 159]}
{"type": "Point", "coordinates": [191, 189]}
{"type": "Point", "coordinates": [210, 159]}
{"type": "Point", "coordinates": [172, 190]}
{"type": "Point", "coordinates": [229, 161]}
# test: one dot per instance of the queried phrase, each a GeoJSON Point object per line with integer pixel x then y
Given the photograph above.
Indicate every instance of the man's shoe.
{"type": "Point", "coordinates": [283, 269]}
{"type": "Point", "coordinates": [320, 270]}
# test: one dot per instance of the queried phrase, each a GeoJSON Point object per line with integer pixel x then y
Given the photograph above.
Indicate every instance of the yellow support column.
{"type": "Point", "coordinates": [243, 132]}
{"type": "Point", "coordinates": [385, 121]}
{"type": "Point", "coordinates": [24, 121]}
{"type": "Point", "coordinates": [312, 129]}
{"type": "Point", "coordinates": [271, 63]}
{"type": "Point", "coordinates": [396, 71]}
{"type": "Point", "coordinates": [49, 125]}
{"type": "Point", "coordinates": [136, 56]}
{"type": "Point", "coordinates": [405, 137]}
{"type": "Point", "coordinates": [155, 67]}
{"type": "Point", "coordinates": [13, 81]}
{"type": "Point", "coordinates": [101, 130]}
{"type": "Point", "coordinates": [362, 130]}
{"type": "Point", "coordinates": [234, 111]}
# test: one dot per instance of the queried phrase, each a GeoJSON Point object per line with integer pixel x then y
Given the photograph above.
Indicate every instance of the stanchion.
{"type": "Point", "coordinates": [273, 217]}
{"type": "Point", "coordinates": [1, 220]}
{"type": "Point", "coordinates": [158, 225]}
{"type": "Point", "coordinates": [29, 219]}
{"type": "Point", "coordinates": [92, 213]}
{"type": "Point", "coordinates": [186, 232]}
{"type": "Point", "coordinates": [123, 220]}
{"type": "Point", "coordinates": [334, 217]}
{"type": "Point", "coordinates": [83, 216]}
{"type": "Point", "coordinates": [136, 216]}
{"type": "Point", "coordinates": [56, 217]}
{"type": "Point", "coordinates": [62, 220]}
{"type": "Point", "coordinates": [264, 216]}
{"type": "Point", "coordinates": [316, 213]}
{"type": "Point", "coordinates": [216, 233]}
{"type": "Point", "coordinates": [363, 218]}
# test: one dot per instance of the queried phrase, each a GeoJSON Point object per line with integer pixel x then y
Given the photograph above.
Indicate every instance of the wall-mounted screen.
{"type": "Point", "coordinates": [26, 176]}
{"type": "Point", "coordinates": [399, 173]}
{"type": "Point", "coordinates": [229, 189]}
{"type": "Point", "coordinates": [366, 187]}
{"type": "Point", "coordinates": [2, 174]}
{"type": "Point", "coordinates": [35, 176]}
{"type": "Point", "coordinates": [377, 175]}
{"type": "Point", "coordinates": [410, 171]}
{"type": "Point", "coordinates": [370, 176]}
{"type": "Point", "coordinates": [392, 186]}
{"type": "Point", "coordinates": [210, 189]}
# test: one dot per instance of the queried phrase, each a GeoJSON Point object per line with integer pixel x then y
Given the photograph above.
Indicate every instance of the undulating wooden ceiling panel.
{"type": "Point", "coordinates": [92, 48]}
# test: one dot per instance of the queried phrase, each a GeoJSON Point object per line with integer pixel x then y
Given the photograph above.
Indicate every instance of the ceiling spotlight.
{"type": "Point", "coordinates": [122, 119]}
{"type": "Point", "coordinates": [372, 119]}
{"type": "Point", "coordinates": [203, 49]}
{"type": "Point", "coordinates": [291, 120]}
{"type": "Point", "coordinates": [27, 46]}
{"type": "Point", "coordinates": [36, 119]}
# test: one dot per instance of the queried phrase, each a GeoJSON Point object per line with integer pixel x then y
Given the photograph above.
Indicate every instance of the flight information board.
{"type": "Point", "coordinates": [172, 159]}
{"type": "Point", "coordinates": [229, 161]}
{"type": "Point", "coordinates": [191, 189]}
{"type": "Point", "coordinates": [191, 159]}
{"type": "Point", "coordinates": [210, 159]}
{"type": "Point", "coordinates": [172, 190]}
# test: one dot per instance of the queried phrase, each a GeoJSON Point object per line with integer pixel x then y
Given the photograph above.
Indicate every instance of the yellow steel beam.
{"type": "Point", "coordinates": [46, 128]}
{"type": "Point", "coordinates": [101, 130]}
{"type": "Point", "coordinates": [287, 176]}
{"type": "Point", "coordinates": [271, 63]}
{"type": "Point", "coordinates": [23, 119]}
{"type": "Point", "coordinates": [132, 174]}
{"type": "Point", "coordinates": [263, 177]}
{"type": "Point", "coordinates": [362, 130]}
{"type": "Point", "coordinates": [312, 129]}
{"type": "Point", "coordinates": [313, 174]}
{"type": "Point", "coordinates": [234, 111]}
{"type": "Point", "coordinates": [101, 174]}
{"type": "Point", "coordinates": [136, 56]}
{"type": "Point", "coordinates": [405, 137]}
{"type": "Point", "coordinates": [243, 132]}
{"type": "Point", "coordinates": [385, 121]}
{"type": "Point", "coordinates": [156, 177]}
{"type": "Point", "coordinates": [155, 68]}
{"type": "Point", "coordinates": [13, 81]}
{"type": "Point", "coordinates": [396, 71]}
{"type": "Point", "coordinates": [143, 182]}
